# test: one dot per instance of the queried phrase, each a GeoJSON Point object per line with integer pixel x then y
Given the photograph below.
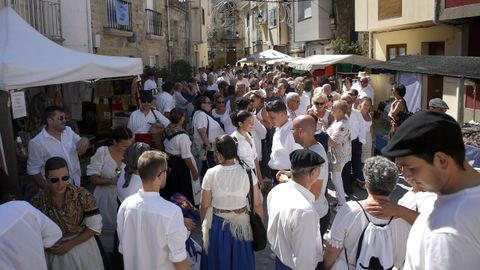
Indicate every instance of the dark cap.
{"type": "Point", "coordinates": [146, 95]}
{"type": "Point", "coordinates": [167, 86]}
{"type": "Point", "coordinates": [425, 132]}
{"type": "Point", "coordinates": [305, 158]}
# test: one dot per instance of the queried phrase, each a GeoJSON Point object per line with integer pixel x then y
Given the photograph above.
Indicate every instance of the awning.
{"type": "Point", "coordinates": [452, 66]}
{"type": "Point", "coordinates": [314, 62]}
{"type": "Point", "coordinates": [267, 55]}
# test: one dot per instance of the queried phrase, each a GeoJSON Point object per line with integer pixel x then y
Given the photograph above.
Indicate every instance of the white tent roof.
{"type": "Point", "coordinates": [267, 55]}
{"type": "Point", "coordinates": [27, 58]}
{"type": "Point", "coordinates": [314, 62]}
{"type": "Point", "coordinates": [283, 61]}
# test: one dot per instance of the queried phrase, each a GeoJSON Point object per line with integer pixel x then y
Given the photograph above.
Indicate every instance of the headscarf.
{"type": "Point", "coordinates": [130, 158]}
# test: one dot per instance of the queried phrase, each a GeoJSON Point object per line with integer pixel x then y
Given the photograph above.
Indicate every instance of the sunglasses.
{"type": "Point", "coordinates": [146, 100]}
{"type": "Point", "coordinates": [352, 95]}
{"type": "Point", "coordinates": [56, 179]}
{"type": "Point", "coordinates": [318, 103]}
{"type": "Point", "coordinates": [220, 102]}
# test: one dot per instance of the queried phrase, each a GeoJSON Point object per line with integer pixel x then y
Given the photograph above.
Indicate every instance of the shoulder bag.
{"type": "Point", "coordinates": [258, 229]}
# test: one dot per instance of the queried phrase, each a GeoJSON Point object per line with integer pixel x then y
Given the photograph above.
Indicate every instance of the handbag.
{"type": "Point", "coordinates": [258, 229]}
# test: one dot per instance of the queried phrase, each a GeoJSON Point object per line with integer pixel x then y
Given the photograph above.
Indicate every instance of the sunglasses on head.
{"type": "Point", "coordinates": [56, 179]}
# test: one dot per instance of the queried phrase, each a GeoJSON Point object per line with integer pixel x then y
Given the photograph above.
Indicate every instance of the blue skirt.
{"type": "Point", "coordinates": [224, 251]}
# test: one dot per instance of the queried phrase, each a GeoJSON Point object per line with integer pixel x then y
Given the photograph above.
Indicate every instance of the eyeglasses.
{"type": "Point", "coordinates": [146, 100]}
{"type": "Point", "coordinates": [220, 102]}
{"type": "Point", "coordinates": [318, 103]}
{"type": "Point", "coordinates": [352, 95]}
{"type": "Point", "coordinates": [56, 179]}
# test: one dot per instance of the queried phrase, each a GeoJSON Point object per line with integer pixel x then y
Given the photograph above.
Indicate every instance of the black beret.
{"type": "Point", "coordinates": [425, 132]}
{"type": "Point", "coordinates": [305, 158]}
{"type": "Point", "coordinates": [146, 95]}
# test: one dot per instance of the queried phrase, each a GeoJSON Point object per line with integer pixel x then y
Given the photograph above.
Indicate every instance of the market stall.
{"type": "Point", "coordinates": [267, 55]}
{"type": "Point", "coordinates": [29, 59]}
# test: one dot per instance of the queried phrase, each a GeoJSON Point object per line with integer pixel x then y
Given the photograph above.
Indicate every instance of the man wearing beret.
{"type": "Point", "coordinates": [293, 224]}
{"type": "Point", "coordinates": [429, 149]}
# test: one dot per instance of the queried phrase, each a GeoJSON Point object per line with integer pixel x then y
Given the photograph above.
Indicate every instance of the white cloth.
{"type": "Point", "coordinates": [259, 133]}
{"type": "Point", "coordinates": [149, 85]}
{"type": "Point", "coordinates": [305, 102]}
{"type": "Point", "coordinates": [321, 203]}
{"type": "Point", "coordinates": [164, 102]}
{"type": "Point", "coordinates": [24, 234]}
{"type": "Point", "coordinates": [102, 164]}
{"type": "Point", "coordinates": [245, 151]}
{"type": "Point", "coordinates": [151, 232]}
{"type": "Point", "coordinates": [180, 101]}
{"type": "Point", "coordinates": [202, 120]}
{"type": "Point", "coordinates": [212, 87]}
{"type": "Point", "coordinates": [291, 114]}
{"type": "Point", "coordinates": [229, 186]}
{"type": "Point", "coordinates": [355, 122]}
{"type": "Point", "coordinates": [141, 123]}
{"type": "Point", "coordinates": [293, 226]}
{"type": "Point", "coordinates": [226, 121]}
{"type": "Point", "coordinates": [339, 132]}
{"type": "Point", "coordinates": [45, 146]}
{"type": "Point", "coordinates": [418, 201]}
{"type": "Point", "coordinates": [82, 256]}
{"type": "Point", "coordinates": [449, 236]}
{"type": "Point", "coordinates": [180, 145]}
{"type": "Point", "coordinates": [132, 188]}
{"type": "Point", "coordinates": [347, 228]}
{"type": "Point", "coordinates": [365, 127]}
{"type": "Point", "coordinates": [283, 144]}
{"type": "Point", "coordinates": [367, 92]}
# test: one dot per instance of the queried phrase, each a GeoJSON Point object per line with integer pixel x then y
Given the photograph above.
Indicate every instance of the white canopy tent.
{"type": "Point", "coordinates": [314, 62]}
{"type": "Point", "coordinates": [283, 61]}
{"type": "Point", "coordinates": [264, 56]}
{"type": "Point", "coordinates": [28, 59]}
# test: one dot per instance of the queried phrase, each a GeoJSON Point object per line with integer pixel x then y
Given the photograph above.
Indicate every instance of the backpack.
{"type": "Point", "coordinates": [402, 116]}
{"type": "Point", "coordinates": [375, 246]}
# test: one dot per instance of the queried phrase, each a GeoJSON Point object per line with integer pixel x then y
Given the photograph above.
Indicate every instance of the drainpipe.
{"type": "Point", "coordinates": [169, 49]}
{"type": "Point", "coordinates": [89, 27]}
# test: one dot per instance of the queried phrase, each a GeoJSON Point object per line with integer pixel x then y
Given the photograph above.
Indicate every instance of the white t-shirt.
{"type": "Point", "coordinates": [355, 121]}
{"type": "Point", "coordinates": [44, 146]}
{"type": "Point", "coordinates": [149, 85]}
{"type": "Point", "coordinates": [179, 145]}
{"type": "Point", "coordinates": [213, 87]}
{"type": "Point", "coordinates": [245, 151]}
{"type": "Point", "coordinates": [283, 144]}
{"type": "Point", "coordinates": [305, 102]}
{"type": "Point", "coordinates": [321, 203]}
{"type": "Point", "coordinates": [24, 234]}
{"type": "Point", "coordinates": [141, 123]}
{"type": "Point", "coordinates": [133, 187]}
{"type": "Point", "coordinates": [164, 102]}
{"type": "Point", "coordinates": [449, 236]}
{"type": "Point", "coordinates": [202, 120]}
{"type": "Point", "coordinates": [151, 232]}
{"type": "Point", "coordinates": [259, 133]}
{"type": "Point", "coordinates": [418, 201]}
{"type": "Point", "coordinates": [226, 121]}
{"type": "Point", "coordinates": [229, 186]}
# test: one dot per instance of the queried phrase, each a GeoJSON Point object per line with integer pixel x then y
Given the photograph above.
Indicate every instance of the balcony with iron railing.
{"type": "Point", "coordinates": [180, 4]}
{"type": "Point", "coordinates": [154, 23]}
{"type": "Point", "coordinates": [119, 17]}
{"type": "Point", "coordinates": [42, 15]}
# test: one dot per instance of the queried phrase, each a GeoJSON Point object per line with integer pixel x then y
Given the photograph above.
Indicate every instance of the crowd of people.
{"type": "Point", "coordinates": [229, 140]}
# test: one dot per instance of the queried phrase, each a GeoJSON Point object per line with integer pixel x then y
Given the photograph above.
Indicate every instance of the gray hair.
{"type": "Point", "coordinates": [301, 172]}
{"type": "Point", "coordinates": [381, 175]}
{"type": "Point", "coordinates": [291, 96]}
{"type": "Point", "coordinates": [130, 158]}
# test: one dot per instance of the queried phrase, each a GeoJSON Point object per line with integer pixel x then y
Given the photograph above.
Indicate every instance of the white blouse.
{"type": "Point", "coordinates": [141, 123]}
{"type": "Point", "coordinates": [245, 151]}
{"type": "Point", "coordinates": [180, 145]}
{"type": "Point", "coordinates": [133, 187]}
{"type": "Point", "coordinates": [103, 164]}
{"type": "Point", "coordinates": [226, 121]}
{"type": "Point", "coordinates": [202, 120]}
{"type": "Point", "coordinates": [229, 186]}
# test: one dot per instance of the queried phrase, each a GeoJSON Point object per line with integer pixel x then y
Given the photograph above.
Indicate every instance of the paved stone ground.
{"type": "Point", "coordinates": [265, 258]}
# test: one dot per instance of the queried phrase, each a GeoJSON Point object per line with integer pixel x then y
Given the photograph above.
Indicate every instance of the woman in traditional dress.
{"type": "Point", "coordinates": [75, 211]}
{"type": "Point", "coordinates": [180, 159]}
{"type": "Point", "coordinates": [227, 234]}
{"type": "Point", "coordinates": [104, 169]}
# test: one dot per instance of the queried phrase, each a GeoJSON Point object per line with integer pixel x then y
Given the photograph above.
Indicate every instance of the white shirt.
{"type": "Point", "coordinates": [180, 101]}
{"type": "Point", "coordinates": [449, 236]}
{"type": "Point", "coordinates": [305, 102]}
{"type": "Point", "coordinates": [229, 186]}
{"type": "Point", "coordinates": [139, 123]}
{"type": "Point", "coordinates": [259, 133]}
{"type": "Point", "coordinates": [245, 151]}
{"type": "Point", "coordinates": [364, 129]}
{"type": "Point", "coordinates": [226, 121]}
{"type": "Point", "coordinates": [149, 85]}
{"type": "Point", "coordinates": [283, 144]}
{"type": "Point", "coordinates": [321, 203]}
{"type": "Point", "coordinates": [24, 234]}
{"type": "Point", "coordinates": [355, 122]}
{"type": "Point", "coordinates": [151, 232]}
{"type": "Point", "coordinates": [213, 87]}
{"type": "Point", "coordinates": [45, 146]}
{"type": "Point", "coordinates": [349, 224]}
{"type": "Point", "coordinates": [179, 145]}
{"type": "Point", "coordinates": [202, 120]}
{"type": "Point", "coordinates": [367, 92]}
{"type": "Point", "coordinates": [418, 201]}
{"type": "Point", "coordinates": [164, 102]}
{"type": "Point", "coordinates": [133, 187]}
{"type": "Point", "coordinates": [293, 226]}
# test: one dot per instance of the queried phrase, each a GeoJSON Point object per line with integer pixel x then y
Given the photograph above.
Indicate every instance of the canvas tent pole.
{"type": "Point", "coordinates": [8, 141]}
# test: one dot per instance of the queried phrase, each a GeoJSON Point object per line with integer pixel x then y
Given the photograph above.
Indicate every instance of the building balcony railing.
{"type": "Point", "coordinates": [42, 15]}
{"type": "Point", "coordinates": [119, 17]}
{"type": "Point", "coordinates": [180, 4]}
{"type": "Point", "coordinates": [154, 23]}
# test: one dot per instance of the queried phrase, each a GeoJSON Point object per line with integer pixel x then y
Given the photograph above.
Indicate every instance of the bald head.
{"type": "Point", "coordinates": [305, 122]}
